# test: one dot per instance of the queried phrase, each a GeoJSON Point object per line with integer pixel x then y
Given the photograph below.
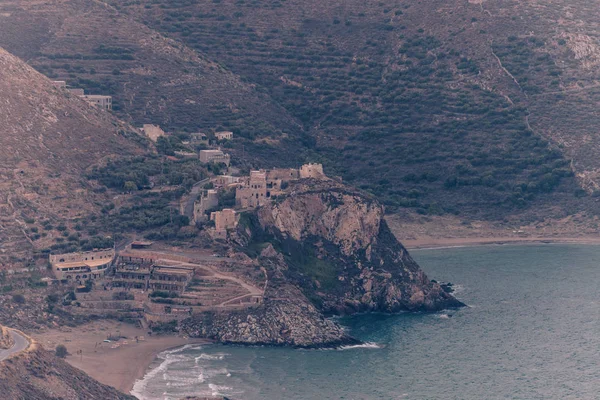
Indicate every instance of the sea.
{"type": "Point", "coordinates": [531, 331]}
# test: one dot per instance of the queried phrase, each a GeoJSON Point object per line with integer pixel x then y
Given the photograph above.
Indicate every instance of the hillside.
{"type": "Point", "coordinates": [479, 109]}
{"type": "Point", "coordinates": [47, 140]}
{"type": "Point", "coordinates": [438, 107]}
{"type": "Point", "coordinates": [38, 375]}
{"type": "Point", "coordinates": [153, 79]}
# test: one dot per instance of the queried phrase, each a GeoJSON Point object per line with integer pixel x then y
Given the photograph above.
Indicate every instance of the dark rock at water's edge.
{"type": "Point", "coordinates": [447, 287]}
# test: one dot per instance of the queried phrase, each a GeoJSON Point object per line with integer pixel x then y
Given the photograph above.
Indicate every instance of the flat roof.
{"type": "Point", "coordinates": [173, 270]}
{"type": "Point", "coordinates": [89, 263]}
{"type": "Point", "coordinates": [96, 96]}
{"type": "Point", "coordinates": [211, 151]}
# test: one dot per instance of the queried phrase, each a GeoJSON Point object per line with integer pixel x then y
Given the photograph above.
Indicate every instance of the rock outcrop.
{"type": "Point", "coordinates": [341, 253]}
{"type": "Point", "coordinates": [326, 249]}
{"type": "Point", "coordinates": [289, 320]}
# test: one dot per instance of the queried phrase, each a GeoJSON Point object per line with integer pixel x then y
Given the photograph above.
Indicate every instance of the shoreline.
{"type": "Point", "coordinates": [440, 243]}
{"type": "Point", "coordinates": [122, 363]}
{"type": "Point", "coordinates": [118, 363]}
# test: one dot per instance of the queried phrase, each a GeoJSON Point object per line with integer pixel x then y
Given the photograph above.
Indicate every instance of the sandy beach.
{"type": "Point", "coordinates": [118, 363]}
{"type": "Point", "coordinates": [432, 243]}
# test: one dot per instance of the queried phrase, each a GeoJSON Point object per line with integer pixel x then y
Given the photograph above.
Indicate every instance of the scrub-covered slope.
{"type": "Point", "coordinates": [48, 138]}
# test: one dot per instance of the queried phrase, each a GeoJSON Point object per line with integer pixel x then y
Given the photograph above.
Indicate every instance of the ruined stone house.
{"type": "Point", "coordinates": [262, 185]}
{"type": "Point", "coordinates": [312, 171]}
{"type": "Point", "coordinates": [100, 101]}
{"type": "Point", "coordinates": [197, 138]}
{"type": "Point", "coordinates": [225, 220]}
{"type": "Point", "coordinates": [208, 201]}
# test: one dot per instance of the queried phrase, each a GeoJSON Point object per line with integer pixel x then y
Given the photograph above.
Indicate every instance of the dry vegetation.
{"type": "Point", "coordinates": [484, 110]}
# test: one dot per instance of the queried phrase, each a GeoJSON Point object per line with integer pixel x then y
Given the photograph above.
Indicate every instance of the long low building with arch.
{"type": "Point", "coordinates": [82, 266]}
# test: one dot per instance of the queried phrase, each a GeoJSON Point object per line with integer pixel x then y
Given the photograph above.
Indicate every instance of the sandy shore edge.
{"type": "Point", "coordinates": [117, 363]}
{"type": "Point", "coordinates": [436, 243]}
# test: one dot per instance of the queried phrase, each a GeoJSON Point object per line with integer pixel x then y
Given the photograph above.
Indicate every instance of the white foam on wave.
{"type": "Point", "coordinates": [183, 348]}
{"type": "Point", "coordinates": [222, 390]}
{"type": "Point", "coordinates": [169, 357]}
{"type": "Point", "coordinates": [367, 345]}
{"type": "Point", "coordinates": [217, 356]}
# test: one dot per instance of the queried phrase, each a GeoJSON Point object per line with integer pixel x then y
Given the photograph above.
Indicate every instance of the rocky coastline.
{"type": "Point", "coordinates": [326, 250]}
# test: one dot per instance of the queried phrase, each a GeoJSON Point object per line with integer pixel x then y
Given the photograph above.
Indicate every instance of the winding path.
{"type": "Point", "coordinates": [21, 344]}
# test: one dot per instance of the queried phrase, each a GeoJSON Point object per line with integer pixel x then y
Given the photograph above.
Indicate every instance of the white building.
{"type": "Point", "coordinates": [214, 156]}
{"type": "Point", "coordinates": [97, 100]}
{"type": "Point", "coordinates": [225, 135]}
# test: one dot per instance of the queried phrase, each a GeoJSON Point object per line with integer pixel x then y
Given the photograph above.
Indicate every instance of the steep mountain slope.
{"type": "Point", "coordinates": [48, 138]}
{"type": "Point", "coordinates": [39, 375]}
{"type": "Point", "coordinates": [151, 78]}
{"type": "Point", "coordinates": [464, 92]}
{"type": "Point", "coordinates": [478, 108]}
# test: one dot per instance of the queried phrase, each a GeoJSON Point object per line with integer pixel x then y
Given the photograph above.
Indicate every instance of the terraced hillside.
{"type": "Point", "coordinates": [482, 109]}
{"type": "Point", "coordinates": [438, 106]}
{"type": "Point", "coordinates": [152, 79]}
{"type": "Point", "coordinates": [48, 138]}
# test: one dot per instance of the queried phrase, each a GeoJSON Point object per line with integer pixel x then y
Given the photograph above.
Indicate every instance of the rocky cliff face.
{"type": "Point", "coordinates": [326, 249]}
{"type": "Point", "coordinates": [341, 253]}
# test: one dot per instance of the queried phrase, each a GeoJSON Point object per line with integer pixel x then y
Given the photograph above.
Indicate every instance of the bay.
{"type": "Point", "coordinates": [531, 331]}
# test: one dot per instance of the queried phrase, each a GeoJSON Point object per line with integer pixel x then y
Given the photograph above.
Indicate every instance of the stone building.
{"type": "Point", "coordinates": [197, 138]}
{"type": "Point", "coordinates": [208, 201]}
{"type": "Point", "coordinates": [153, 131]}
{"type": "Point", "coordinates": [224, 220]}
{"type": "Point", "coordinates": [312, 171]}
{"type": "Point", "coordinates": [77, 92]}
{"type": "Point", "coordinates": [104, 102]}
{"type": "Point", "coordinates": [225, 135]}
{"type": "Point", "coordinates": [152, 276]}
{"type": "Point", "coordinates": [276, 179]}
{"type": "Point", "coordinates": [253, 191]}
{"type": "Point", "coordinates": [260, 187]}
{"type": "Point", "coordinates": [225, 180]}
{"type": "Point", "coordinates": [214, 156]}
{"type": "Point", "coordinates": [82, 266]}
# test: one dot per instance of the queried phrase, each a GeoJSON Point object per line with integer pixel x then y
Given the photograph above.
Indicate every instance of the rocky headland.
{"type": "Point", "coordinates": [326, 250]}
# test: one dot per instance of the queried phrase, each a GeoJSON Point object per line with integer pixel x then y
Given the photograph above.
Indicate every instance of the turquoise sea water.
{"type": "Point", "coordinates": [531, 331]}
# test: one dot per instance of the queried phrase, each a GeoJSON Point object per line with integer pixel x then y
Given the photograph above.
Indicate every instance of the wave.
{"type": "Point", "coordinates": [182, 348]}
{"type": "Point", "coordinates": [217, 356]}
{"type": "Point", "coordinates": [223, 390]}
{"type": "Point", "coordinates": [140, 385]}
{"type": "Point", "coordinates": [367, 345]}
{"type": "Point", "coordinates": [169, 357]}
